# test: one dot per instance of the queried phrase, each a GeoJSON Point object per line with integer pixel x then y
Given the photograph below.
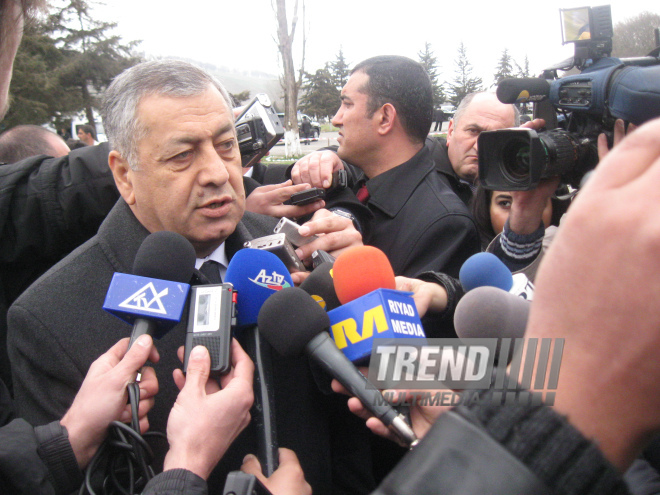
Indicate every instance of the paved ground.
{"type": "Point", "coordinates": [326, 139]}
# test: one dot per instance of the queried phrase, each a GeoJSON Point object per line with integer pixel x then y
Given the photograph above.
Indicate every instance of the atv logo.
{"type": "Point", "coordinates": [147, 299]}
{"type": "Point", "coordinates": [273, 282]}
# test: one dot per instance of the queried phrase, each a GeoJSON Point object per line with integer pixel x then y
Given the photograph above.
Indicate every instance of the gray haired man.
{"type": "Point", "coordinates": [175, 159]}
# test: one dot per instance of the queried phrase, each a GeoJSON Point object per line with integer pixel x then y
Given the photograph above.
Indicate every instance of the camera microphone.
{"type": "Point", "coordinates": [523, 90]}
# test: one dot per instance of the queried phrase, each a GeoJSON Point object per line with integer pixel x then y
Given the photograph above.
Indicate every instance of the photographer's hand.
{"type": "Point", "coordinates": [316, 169]}
{"type": "Point", "coordinates": [103, 395]}
{"type": "Point", "coordinates": [269, 200]}
{"type": "Point", "coordinates": [609, 234]}
{"type": "Point", "coordinates": [428, 296]}
{"type": "Point", "coordinates": [288, 478]}
{"type": "Point", "coordinates": [205, 420]}
{"type": "Point", "coordinates": [335, 234]}
{"type": "Point", "coordinates": [620, 132]}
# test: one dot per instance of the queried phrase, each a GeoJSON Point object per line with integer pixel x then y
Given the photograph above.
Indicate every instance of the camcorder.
{"type": "Point", "coordinates": [576, 108]}
{"type": "Point", "coordinates": [258, 128]}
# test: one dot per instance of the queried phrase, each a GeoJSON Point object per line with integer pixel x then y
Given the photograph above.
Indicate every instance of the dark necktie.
{"type": "Point", "coordinates": [211, 270]}
{"type": "Point", "coordinates": [363, 194]}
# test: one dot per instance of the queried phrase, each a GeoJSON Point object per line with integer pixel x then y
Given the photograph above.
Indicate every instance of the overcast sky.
{"type": "Point", "coordinates": [239, 34]}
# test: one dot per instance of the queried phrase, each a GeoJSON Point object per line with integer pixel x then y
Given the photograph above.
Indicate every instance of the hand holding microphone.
{"type": "Point", "coordinates": [102, 396]}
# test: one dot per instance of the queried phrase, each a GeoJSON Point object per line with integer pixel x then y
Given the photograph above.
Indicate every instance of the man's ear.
{"type": "Point", "coordinates": [450, 130]}
{"type": "Point", "coordinates": [387, 118]}
{"type": "Point", "coordinates": [123, 175]}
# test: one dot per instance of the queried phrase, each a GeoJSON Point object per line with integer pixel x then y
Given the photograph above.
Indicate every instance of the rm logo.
{"type": "Point", "coordinates": [347, 329]}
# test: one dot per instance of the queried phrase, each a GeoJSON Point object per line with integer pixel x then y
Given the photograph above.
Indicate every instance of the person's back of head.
{"type": "Point", "coordinates": [403, 83]}
{"type": "Point", "coordinates": [24, 141]}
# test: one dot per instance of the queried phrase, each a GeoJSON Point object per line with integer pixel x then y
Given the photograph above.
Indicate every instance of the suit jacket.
{"type": "Point", "coordinates": [57, 328]}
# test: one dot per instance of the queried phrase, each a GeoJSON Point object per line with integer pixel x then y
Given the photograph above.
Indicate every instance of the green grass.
{"type": "Point", "coordinates": [280, 159]}
{"type": "Point", "coordinates": [328, 128]}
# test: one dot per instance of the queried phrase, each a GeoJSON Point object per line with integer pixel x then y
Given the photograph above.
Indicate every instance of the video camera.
{"type": "Point", "coordinates": [258, 128]}
{"type": "Point", "coordinates": [587, 103]}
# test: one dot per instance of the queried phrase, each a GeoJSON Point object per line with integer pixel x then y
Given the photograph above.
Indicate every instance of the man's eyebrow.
{"type": "Point", "coordinates": [345, 97]}
{"type": "Point", "coordinates": [192, 140]}
{"type": "Point", "coordinates": [228, 127]}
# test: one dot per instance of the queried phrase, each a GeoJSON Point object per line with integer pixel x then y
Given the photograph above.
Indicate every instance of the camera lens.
{"type": "Point", "coordinates": [516, 159]}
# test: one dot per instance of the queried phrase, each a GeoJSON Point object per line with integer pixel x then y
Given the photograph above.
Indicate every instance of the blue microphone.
{"type": "Point", "coordinates": [256, 275]}
{"type": "Point", "coordinates": [487, 270]}
{"type": "Point", "coordinates": [154, 297]}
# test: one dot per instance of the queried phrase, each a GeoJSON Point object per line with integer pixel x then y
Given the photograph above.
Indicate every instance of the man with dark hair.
{"type": "Point", "coordinates": [87, 135]}
{"type": "Point", "coordinates": [384, 119]}
{"type": "Point", "coordinates": [24, 141]}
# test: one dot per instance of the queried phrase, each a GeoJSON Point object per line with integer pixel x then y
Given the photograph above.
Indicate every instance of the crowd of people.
{"type": "Point", "coordinates": [73, 218]}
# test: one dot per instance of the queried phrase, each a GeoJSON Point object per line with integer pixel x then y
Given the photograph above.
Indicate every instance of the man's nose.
{"type": "Point", "coordinates": [214, 168]}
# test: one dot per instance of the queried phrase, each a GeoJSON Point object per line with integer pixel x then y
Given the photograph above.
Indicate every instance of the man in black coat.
{"type": "Point", "coordinates": [176, 164]}
{"type": "Point", "coordinates": [419, 222]}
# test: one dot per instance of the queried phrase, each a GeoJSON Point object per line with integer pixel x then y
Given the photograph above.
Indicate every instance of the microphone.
{"type": "Point", "coordinates": [321, 286]}
{"type": "Point", "coordinates": [256, 275]}
{"type": "Point", "coordinates": [153, 298]}
{"type": "Point", "coordinates": [372, 308]}
{"type": "Point", "coordinates": [486, 269]}
{"type": "Point", "coordinates": [294, 324]}
{"type": "Point", "coordinates": [523, 90]}
{"type": "Point", "coordinates": [489, 312]}
{"type": "Point", "coordinates": [361, 270]}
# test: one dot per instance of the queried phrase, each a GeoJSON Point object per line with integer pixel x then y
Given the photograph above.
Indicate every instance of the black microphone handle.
{"type": "Point", "coordinates": [325, 352]}
{"type": "Point", "coordinates": [140, 327]}
{"type": "Point", "coordinates": [263, 409]}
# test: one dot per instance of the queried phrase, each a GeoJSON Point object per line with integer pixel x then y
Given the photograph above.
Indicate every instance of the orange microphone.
{"type": "Point", "coordinates": [361, 270]}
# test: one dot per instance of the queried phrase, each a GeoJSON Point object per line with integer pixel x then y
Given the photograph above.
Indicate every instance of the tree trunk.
{"type": "Point", "coordinates": [89, 112]}
{"type": "Point", "coordinates": [285, 43]}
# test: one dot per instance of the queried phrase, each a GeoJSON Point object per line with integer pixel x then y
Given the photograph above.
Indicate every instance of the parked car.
{"type": "Point", "coordinates": [316, 127]}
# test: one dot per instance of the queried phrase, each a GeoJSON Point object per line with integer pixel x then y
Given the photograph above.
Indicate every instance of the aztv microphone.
{"type": "Point", "coordinates": [372, 308]}
{"type": "Point", "coordinates": [256, 275]}
{"type": "Point", "coordinates": [294, 324]}
{"type": "Point", "coordinates": [486, 269]}
{"type": "Point", "coordinates": [153, 298]}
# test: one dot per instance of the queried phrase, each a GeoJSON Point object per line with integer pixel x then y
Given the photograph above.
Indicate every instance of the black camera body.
{"type": "Point", "coordinates": [258, 128]}
{"type": "Point", "coordinates": [576, 108]}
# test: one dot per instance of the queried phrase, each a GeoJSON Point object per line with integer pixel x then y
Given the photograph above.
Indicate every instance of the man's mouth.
{"type": "Point", "coordinates": [216, 203]}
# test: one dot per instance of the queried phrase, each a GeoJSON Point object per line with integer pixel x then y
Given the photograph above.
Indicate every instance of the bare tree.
{"type": "Point", "coordinates": [634, 37]}
{"type": "Point", "coordinates": [290, 85]}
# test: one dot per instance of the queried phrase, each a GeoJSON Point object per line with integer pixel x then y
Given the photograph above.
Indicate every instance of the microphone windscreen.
{"type": "Point", "coordinates": [485, 269]}
{"type": "Point", "coordinates": [489, 312]}
{"type": "Point", "coordinates": [361, 270]}
{"type": "Point", "coordinates": [515, 90]}
{"type": "Point", "coordinates": [289, 319]}
{"type": "Point", "coordinates": [320, 285]}
{"type": "Point", "coordinates": [165, 255]}
{"type": "Point", "coordinates": [256, 274]}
